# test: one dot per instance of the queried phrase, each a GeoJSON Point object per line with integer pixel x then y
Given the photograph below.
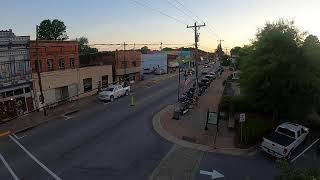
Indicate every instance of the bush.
{"type": "Point", "coordinates": [290, 173]}
{"type": "Point", "coordinates": [254, 128]}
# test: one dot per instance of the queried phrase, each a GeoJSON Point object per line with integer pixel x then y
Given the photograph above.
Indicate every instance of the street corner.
{"type": "Point", "coordinates": [174, 135]}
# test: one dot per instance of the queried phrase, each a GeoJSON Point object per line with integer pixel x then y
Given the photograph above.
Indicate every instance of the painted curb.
{"type": "Point", "coordinates": [156, 122]}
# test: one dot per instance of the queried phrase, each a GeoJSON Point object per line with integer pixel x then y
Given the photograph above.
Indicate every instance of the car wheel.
{"type": "Point", "coordinates": [111, 98]}
{"type": "Point", "coordinates": [127, 93]}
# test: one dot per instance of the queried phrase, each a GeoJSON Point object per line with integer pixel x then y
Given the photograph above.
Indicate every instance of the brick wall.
{"type": "Point", "coordinates": [54, 50]}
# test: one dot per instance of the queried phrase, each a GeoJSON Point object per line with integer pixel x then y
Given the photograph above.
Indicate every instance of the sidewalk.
{"type": "Point", "coordinates": [36, 118]}
{"type": "Point", "coordinates": [189, 130]}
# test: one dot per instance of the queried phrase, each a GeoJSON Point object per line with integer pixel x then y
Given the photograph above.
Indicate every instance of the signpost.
{"type": "Point", "coordinates": [212, 118]}
{"type": "Point", "coordinates": [242, 120]}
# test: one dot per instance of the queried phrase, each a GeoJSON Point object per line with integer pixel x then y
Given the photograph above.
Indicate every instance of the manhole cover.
{"type": "Point", "coordinates": [190, 139]}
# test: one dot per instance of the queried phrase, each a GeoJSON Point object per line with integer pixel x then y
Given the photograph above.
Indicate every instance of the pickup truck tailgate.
{"type": "Point", "coordinates": [275, 143]}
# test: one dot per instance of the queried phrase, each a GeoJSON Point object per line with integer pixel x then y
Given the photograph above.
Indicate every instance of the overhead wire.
{"type": "Point", "coordinates": [157, 10]}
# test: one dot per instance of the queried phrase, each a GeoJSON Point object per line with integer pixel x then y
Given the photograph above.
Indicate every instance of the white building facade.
{"type": "Point", "coordinates": [15, 75]}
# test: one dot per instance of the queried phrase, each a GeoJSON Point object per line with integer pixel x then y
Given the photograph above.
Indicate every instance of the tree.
{"type": "Point", "coordinates": [167, 49]}
{"type": "Point", "coordinates": [84, 47]}
{"type": "Point", "coordinates": [276, 76]}
{"type": "Point", "coordinates": [235, 51]}
{"type": "Point", "coordinates": [52, 30]}
{"type": "Point", "coordinates": [219, 51]}
{"type": "Point", "coordinates": [145, 50]}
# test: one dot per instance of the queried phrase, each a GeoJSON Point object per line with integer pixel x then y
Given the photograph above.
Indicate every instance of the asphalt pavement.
{"type": "Point", "coordinates": [105, 141]}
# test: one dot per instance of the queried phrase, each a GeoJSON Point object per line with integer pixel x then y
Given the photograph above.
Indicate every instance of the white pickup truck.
{"type": "Point", "coordinates": [284, 140]}
{"type": "Point", "coordinates": [113, 92]}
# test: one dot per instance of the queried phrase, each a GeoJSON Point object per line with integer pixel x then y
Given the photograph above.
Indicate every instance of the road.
{"type": "Point", "coordinates": [105, 141]}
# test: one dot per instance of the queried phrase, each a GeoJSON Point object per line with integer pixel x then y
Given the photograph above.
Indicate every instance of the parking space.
{"type": "Point", "coordinates": [307, 155]}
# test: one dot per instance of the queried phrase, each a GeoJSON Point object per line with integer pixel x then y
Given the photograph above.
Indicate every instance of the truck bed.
{"type": "Point", "coordinates": [280, 139]}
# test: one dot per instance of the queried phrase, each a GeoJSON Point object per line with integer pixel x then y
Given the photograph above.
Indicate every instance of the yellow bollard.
{"type": "Point", "coordinates": [132, 101]}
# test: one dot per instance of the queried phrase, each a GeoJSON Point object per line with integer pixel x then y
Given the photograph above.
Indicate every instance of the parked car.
{"type": "Point", "coordinates": [284, 140]}
{"type": "Point", "coordinates": [211, 77]}
{"type": "Point", "coordinates": [206, 81]}
{"type": "Point", "coordinates": [147, 71]}
{"type": "Point", "coordinates": [159, 71]}
{"type": "Point", "coordinates": [205, 71]}
{"type": "Point", "coordinates": [113, 92]}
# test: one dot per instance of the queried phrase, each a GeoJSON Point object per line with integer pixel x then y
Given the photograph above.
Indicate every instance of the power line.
{"type": "Point", "coordinates": [200, 20]}
{"type": "Point", "coordinates": [176, 7]}
{"type": "Point", "coordinates": [156, 10]}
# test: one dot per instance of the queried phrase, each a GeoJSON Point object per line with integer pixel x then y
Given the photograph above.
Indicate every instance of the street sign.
{"type": "Point", "coordinates": [242, 117]}
{"type": "Point", "coordinates": [212, 118]}
{"type": "Point", "coordinates": [214, 174]}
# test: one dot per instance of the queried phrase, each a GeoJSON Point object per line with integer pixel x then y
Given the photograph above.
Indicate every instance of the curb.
{"type": "Point", "coordinates": [156, 122]}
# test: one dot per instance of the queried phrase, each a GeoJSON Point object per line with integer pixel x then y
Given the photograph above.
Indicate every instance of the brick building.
{"type": "Point", "coordinates": [122, 66]}
{"type": "Point", "coordinates": [62, 77]}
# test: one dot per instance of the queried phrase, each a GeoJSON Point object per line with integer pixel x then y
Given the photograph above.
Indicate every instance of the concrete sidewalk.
{"type": "Point", "coordinates": [189, 130]}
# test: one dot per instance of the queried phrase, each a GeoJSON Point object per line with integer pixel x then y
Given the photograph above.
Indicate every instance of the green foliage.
{"type": "Point", "coordinates": [167, 49]}
{"type": "Point", "coordinates": [290, 173]}
{"type": "Point", "coordinates": [219, 51]}
{"type": "Point", "coordinates": [144, 50]}
{"type": "Point", "coordinates": [277, 73]}
{"type": "Point", "coordinates": [84, 47]}
{"type": "Point", "coordinates": [254, 128]}
{"type": "Point", "coordinates": [225, 60]}
{"type": "Point", "coordinates": [52, 30]}
{"type": "Point", "coordinates": [235, 51]}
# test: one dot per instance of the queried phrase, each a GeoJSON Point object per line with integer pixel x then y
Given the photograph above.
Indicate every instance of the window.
{"type": "Point", "coordinates": [27, 90]}
{"type": "Point", "coordinates": [61, 63]}
{"type": "Point", "coordinates": [36, 66]}
{"type": "Point", "coordinates": [104, 81]}
{"type": "Point", "coordinates": [3, 95]}
{"type": "Point", "coordinates": [286, 132]}
{"type": "Point", "coordinates": [87, 84]}
{"type": "Point", "coordinates": [134, 63]}
{"type": "Point", "coordinates": [18, 91]}
{"type": "Point", "coordinates": [72, 62]}
{"type": "Point", "coordinates": [299, 134]}
{"type": "Point", "coordinates": [50, 64]}
{"type": "Point", "coordinates": [9, 93]}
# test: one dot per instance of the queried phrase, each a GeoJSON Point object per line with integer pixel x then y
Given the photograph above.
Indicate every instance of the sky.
{"type": "Point", "coordinates": [146, 21]}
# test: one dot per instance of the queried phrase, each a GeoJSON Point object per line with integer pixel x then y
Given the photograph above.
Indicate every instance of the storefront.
{"type": "Point", "coordinates": [15, 101]}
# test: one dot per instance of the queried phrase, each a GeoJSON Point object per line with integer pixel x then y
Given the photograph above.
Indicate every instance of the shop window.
{"type": "Point", "coordinates": [50, 64]}
{"type": "Point", "coordinates": [72, 62]}
{"type": "Point", "coordinates": [104, 81]}
{"type": "Point", "coordinates": [18, 91]}
{"type": "Point", "coordinates": [87, 84]}
{"type": "Point", "coordinates": [9, 93]}
{"type": "Point", "coordinates": [61, 63]}
{"type": "Point", "coordinates": [134, 63]}
{"type": "Point", "coordinates": [27, 90]}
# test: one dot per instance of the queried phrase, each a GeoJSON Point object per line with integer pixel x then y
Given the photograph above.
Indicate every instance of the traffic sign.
{"type": "Point", "coordinates": [242, 117]}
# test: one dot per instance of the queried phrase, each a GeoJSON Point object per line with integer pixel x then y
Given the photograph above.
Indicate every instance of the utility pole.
{"type": "Point", "coordinates": [41, 98]}
{"type": "Point", "coordinates": [161, 46]}
{"type": "Point", "coordinates": [195, 27]}
{"type": "Point", "coordinates": [125, 63]}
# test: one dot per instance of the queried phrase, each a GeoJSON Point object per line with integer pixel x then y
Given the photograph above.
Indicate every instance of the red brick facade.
{"type": "Point", "coordinates": [54, 55]}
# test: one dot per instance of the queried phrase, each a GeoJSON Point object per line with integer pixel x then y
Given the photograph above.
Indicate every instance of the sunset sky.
{"type": "Point", "coordinates": [117, 21]}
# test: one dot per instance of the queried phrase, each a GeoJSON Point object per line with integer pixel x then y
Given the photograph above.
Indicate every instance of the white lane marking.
{"type": "Point", "coordinates": [214, 174]}
{"type": "Point", "coordinates": [8, 167]}
{"type": "Point", "coordinates": [19, 137]}
{"type": "Point", "coordinates": [35, 159]}
{"type": "Point", "coordinates": [305, 150]}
